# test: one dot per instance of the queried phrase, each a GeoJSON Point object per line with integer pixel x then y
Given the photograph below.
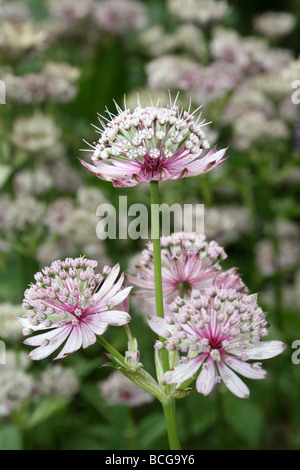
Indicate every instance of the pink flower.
{"type": "Point", "coordinates": [151, 144]}
{"type": "Point", "coordinates": [219, 332]}
{"type": "Point", "coordinates": [189, 262]}
{"type": "Point", "coordinates": [72, 304]}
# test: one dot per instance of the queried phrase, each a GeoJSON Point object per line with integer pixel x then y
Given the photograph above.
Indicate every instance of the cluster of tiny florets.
{"type": "Point", "coordinates": [151, 131]}
{"type": "Point", "coordinates": [184, 244]}
{"type": "Point", "coordinates": [62, 291]}
{"type": "Point", "coordinates": [216, 322]}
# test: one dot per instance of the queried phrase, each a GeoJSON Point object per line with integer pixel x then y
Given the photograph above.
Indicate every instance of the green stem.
{"type": "Point", "coordinates": [170, 417]}
{"type": "Point", "coordinates": [169, 407]}
{"type": "Point", "coordinates": [112, 351]}
{"type": "Point", "coordinates": [155, 226]}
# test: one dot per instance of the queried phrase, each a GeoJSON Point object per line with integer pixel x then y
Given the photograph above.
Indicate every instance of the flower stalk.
{"type": "Point", "coordinates": [169, 407]}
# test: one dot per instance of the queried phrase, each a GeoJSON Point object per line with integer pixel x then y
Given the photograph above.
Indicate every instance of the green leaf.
{"type": "Point", "coordinates": [5, 171]}
{"type": "Point", "coordinates": [10, 438]}
{"type": "Point", "coordinates": [47, 408]}
{"type": "Point", "coordinates": [151, 429]}
{"type": "Point", "coordinates": [245, 418]}
{"type": "Point", "coordinates": [181, 393]}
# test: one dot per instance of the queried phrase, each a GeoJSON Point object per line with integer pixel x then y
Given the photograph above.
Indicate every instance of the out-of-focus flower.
{"type": "Point", "coordinates": [36, 182]}
{"type": "Point", "coordinates": [246, 99]}
{"type": "Point", "coordinates": [275, 24]}
{"type": "Point", "coordinates": [151, 144]}
{"type": "Point", "coordinates": [24, 212]}
{"type": "Point", "coordinates": [60, 81]}
{"type": "Point", "coordinates": [16, 384]}
{"type": "Point", "coordinates": [290, 295]}
{"type": "Point", "coordinates": [278, 85]}
{"type": "Point", "coordinates": [71, 228]}
{"type": "Point", "coordinates": [157, 42]}
{"type": "Point", "coordinates": [55, 82]}
{"type": "Point", "coordinates": [80, 226]}
{"type": "Point", "coordinates": [224, 224]}
{"type": "Point", "coordinates": [219, 332]}
{"type": "Point", "coordinates": [66, 177]}
{"type": "Point", "coordinates": [18, 39]}
{"type": "Point", "coordinates": [191, 39]}
{"type": "Point", "coordinates": [36, 134]}
{"type": "Point", "coordinates": [70, 12]}
{"type": "Point", "coordinates": [188, 262]}
{"type": "Point", "coordinates": [288, 257]}
{"type": "Point", "coordinates": [202, 12]}
{"type": "Point", "coordinates": [9, 328]}
{"type": "Point", "coordinates": [250, 54]}
{"type": "Point", "coordinates": [15, 12]}
{"type": "Point", "coordinates": [186, 37]}
{"type": "Point", "coordinates": [215, 81]}
{"type": "Point", "coordinates": [72, 304]}
{"type": "Point", "coordinates": [57, 214]}
{"type": "Point", "coordinates": [173, 72]}
{"type": "Point", "coordinates": [253, 127]}
{"type": "Point", "coordinates": [119, 16]}
{"type": "Point", "coordinates": [118, 390]}
{"type": "Point", "coordinates": [58, 381]}
{"type": "Point", "coordinates": [89, 198]}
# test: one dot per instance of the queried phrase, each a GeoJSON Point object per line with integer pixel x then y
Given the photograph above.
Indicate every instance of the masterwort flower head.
{"type": "Point", "coordinates": [189, 262]}
{"type": "Point", "coordinates": [151, 143]}
{"type": "Point", "coordinates": [72, 304]}
{"type": "Point", "coordinates": [217, 332]}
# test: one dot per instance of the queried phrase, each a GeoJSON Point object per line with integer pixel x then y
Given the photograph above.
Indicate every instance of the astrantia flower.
{"type": "Point", "coordinates": [119, 390]}
{"type": "Point", "coordinates": [72, 304]}
{"type": "Point", "coordinates": [188, 262]}
{"type": "Point", "coordinates": [218, 332]}
{"type": "Point", "coordinates": [151, 144]}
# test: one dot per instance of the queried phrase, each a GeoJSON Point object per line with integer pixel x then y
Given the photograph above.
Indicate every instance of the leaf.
{"type": "Point", "coordinates": [151, 429]}
{"type": "Point", "coordinates": [47, 408]}
{"type": "Point", "coordinates": [5, 171]}
{"type": "Point", "coordinates": [246, 419]}
{"type": "Point", "coordinates": [10, 438]}
{"type": "Point", "coordinates": [181, 393]}
{"type": "Point", "coordinates": [83, 367]}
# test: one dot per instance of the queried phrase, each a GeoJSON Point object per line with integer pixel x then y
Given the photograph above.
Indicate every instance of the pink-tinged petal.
{"type": "Point", "coordinates": [26, 324]}
{"type": "Point", "coordinates": [206, 379]}
{"type": "Point", "coordinates": [114, 289]}
{"type": "Point", "coordinates": [263, 350]}
{"type": "Point", "coordinates": [251, 371]}
{"type": "Point", "coordinates": [211, 160]}
{"type": "Point", "coordinates": [139, 282]}
{"type": "Point", "coordinates": [88, 336]}
{"type": "Point", "coordinates": [107, 284]}
{"type": "Point", "coordinates": [44, 351]}
{"type": "Point", "coordinates": [73, 343]}
{"type": "Point", "coordinates": [183, 371]}
{"type": "Point", "coordinates": [115, 317]}
{"type": "Point", "coordinates": [159, 326]}
{"type": "Point", "coordinates": [233, 382]}
{"type": "Point", "coordinates": [96, 324]}
{"type": "Point", "coordinates": [120, 296]}
{"type": "Point", "coordinates": [38, 340]}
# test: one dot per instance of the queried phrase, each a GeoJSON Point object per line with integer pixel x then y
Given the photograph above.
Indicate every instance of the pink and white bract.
{"type": "Point", "coordinates": [151, 144]}
{"type": "Point", "coordinates": [189, 262]}
{"type": "Point", "coordinates": [218, 333]}
{"type": "Point", "coordinates": [72, 304]}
